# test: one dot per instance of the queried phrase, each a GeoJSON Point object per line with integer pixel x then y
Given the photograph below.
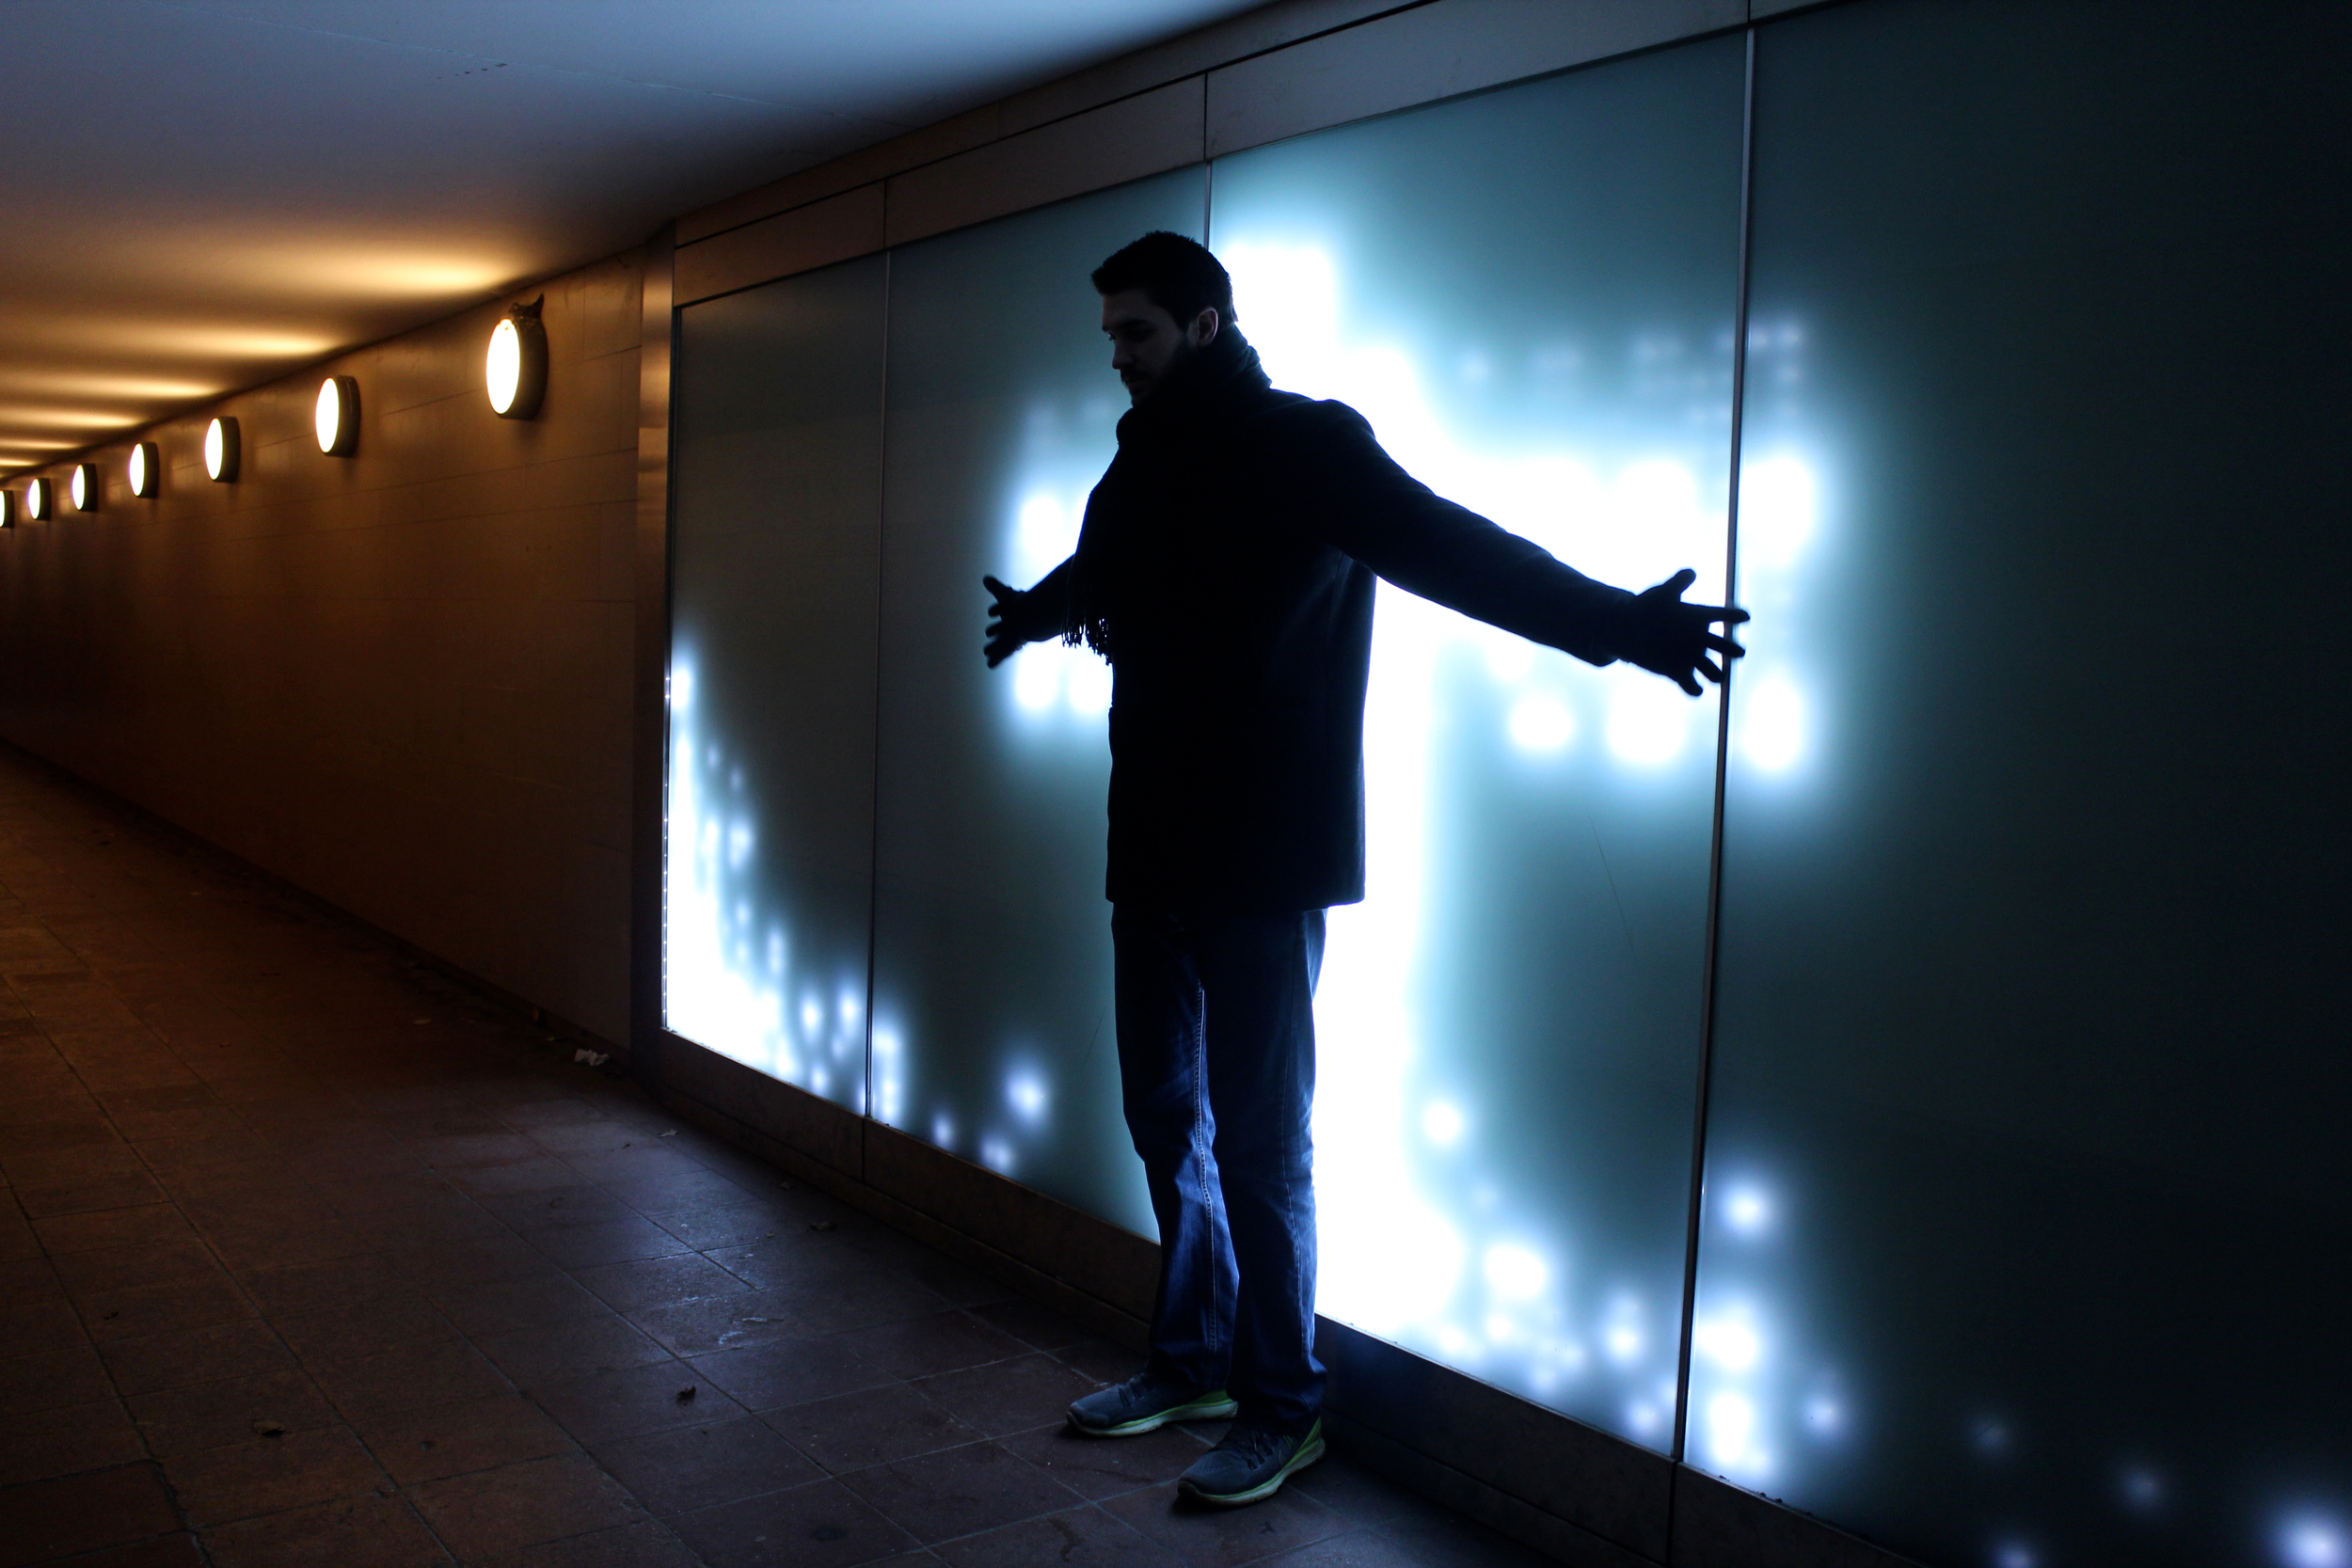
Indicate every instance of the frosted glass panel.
{"type": "Point", "coordinates": [772, 582]}
{"type": "Point", "coordinates": [1531, 295]}
{"type": "Point", "coordinates": [2025, 1242]}
{"type": "Point", "coordinates": [993, 1032]}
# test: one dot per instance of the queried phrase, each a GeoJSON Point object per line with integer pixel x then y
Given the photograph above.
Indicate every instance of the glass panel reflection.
{"type": "Point", "coordinates": [772, 581]}
{"type": "Point", "coordinates": [993, 1032]}
{"type": "Point", "coordinates": [1530, 295]}
{"type": "Point", "coordinates": [2023, 1239]}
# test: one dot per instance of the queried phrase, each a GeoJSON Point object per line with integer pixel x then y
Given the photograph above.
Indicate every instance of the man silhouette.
{"type": "Point", "coordinates": [1225, 569]}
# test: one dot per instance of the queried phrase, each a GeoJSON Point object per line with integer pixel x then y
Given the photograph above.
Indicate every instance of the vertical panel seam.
{"type": "Point", "coordinates": [873, 819]}
{"type": "Point", "coordinates": [1722, 754]}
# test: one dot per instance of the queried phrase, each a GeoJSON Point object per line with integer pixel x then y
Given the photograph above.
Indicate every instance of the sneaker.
{"type": "Point", "coordinates": [1252, 1462]}
{"type": "Point", "coordinates": [1144, 1404]}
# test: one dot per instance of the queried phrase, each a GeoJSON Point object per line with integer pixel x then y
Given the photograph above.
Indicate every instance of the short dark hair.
{"type": "Point", "coordinates": [1175, 273]}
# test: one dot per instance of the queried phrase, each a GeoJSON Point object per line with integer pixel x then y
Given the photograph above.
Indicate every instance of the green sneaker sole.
{"type": "Point", "coordinates": [1220, 1407]}
{"type": "Point", "coordinates": [1309, 1451]}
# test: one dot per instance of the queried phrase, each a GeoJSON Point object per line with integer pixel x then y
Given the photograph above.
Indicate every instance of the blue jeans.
{"type": "Point", "coordinates": [1216, 1060]}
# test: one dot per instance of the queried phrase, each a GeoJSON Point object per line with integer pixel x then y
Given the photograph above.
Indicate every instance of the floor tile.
{"type": "Point", "coordinates": [67, 1442]}
{"type": "Point", "coordinates": [1442, 1540]}
{"type": "Point", "coordinates": [522, 1505]}
{"type": "Point", "coordinates": [207, 1355]}
{"type": "Point", "coordinates": [410, 1377]}
{"type": "Point", "coordinates": [935, 1342]}
{"type": "Point", "coordinates": [53, 1379]}
{"type": "Point", "coordinates": [1005, 1396]}
{"type": "Point", "coordinates": [208, 1415]}
{"type": "Point", "coordinates": [340, 1335]}
{"type": "Point", "coordinates": [418, 1445]}
{"type": "Point", "coordinates": [658, 1281]}
{"type": "Point", "coordinates": [270, 1475]}
{"type": "Point", "coordinates": [788, 1371]}
{"type": "Point", "coordinates": [648, 1545]}
{"type": "Point", "coordinates": [603, 1406]}
{"type": "Point", "coordinates": [498, 1306]}
{"type": "Point", "coordinates": [176, 1550]}
{"type": "Point", "coordinates": [959, 1491]}
{"type": "Point", "coordinates": [1098, 1467]}
{"type": "Point", "coordinates": [139, 1310]}
{"type": "Point", "coordinates": [145, 1222]}
{"type": "Point", "coordinates": [79, 1514]}
{"type": "Point", "coordinates": [366, 1531]}
{"type": "Point", "coordinates": [703, 1465]}
{"type": "Point", "coordinates": [851, 1431]}
{"type": "Point", "coordinates": [1075, 1538]}
{"type": "Point", "coordinates": [617, 1241]}
{"type": "Point", "coordinates": [1025, 1321]}
{"type": "Point", "coordinates": [820, 1524]}
{"type": "Point", "coordinates": [723, 1323]}
{"type": "Point", "coordinates": [1221, 1537]}
{"type": "Point", "coordinates": [557, 1353]}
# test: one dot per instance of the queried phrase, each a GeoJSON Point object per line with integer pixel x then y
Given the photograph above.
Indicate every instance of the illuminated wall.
{"type": "Point", "coordinates": [2026, 1237]}
{"type": "Point", "coordinates": [772, 601]}
{"type": "Point", "coordinates": [1509, 1023]}
{"type": "Point", "coordinates": [2020, 1231]}
{"type": "Point", "coordinates": [993, 958]}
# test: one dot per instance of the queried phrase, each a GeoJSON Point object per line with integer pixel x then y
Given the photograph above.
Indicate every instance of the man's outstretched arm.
{"type": "Point", "coordinates": [1377, 512]}
{"type": "Point", "coordinates": [1019, 618]}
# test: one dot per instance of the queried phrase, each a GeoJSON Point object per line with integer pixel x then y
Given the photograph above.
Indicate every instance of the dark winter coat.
{"type": "Point", "coordinates": [1226, 570]}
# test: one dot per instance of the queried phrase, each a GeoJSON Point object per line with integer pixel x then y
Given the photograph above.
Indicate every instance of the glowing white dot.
{"type": "Point", "coordinates": [1824, 1415]}
{"type": "Point", "coordinates": [2012, 1553]}
{"type": "Point", "coordinates": [1730, 1426]}
{"type": "Point", "coordinates": [1623, 1341]}
{"type": "Point", "coordinates": [1541, 724]}
{"type": "Point", "coordinates": [943, 1131]}
{"type": "Point", "coordinates": [1647, 723]}
{"type": "Point", "coordinates": [812, 1018]}
{"type": "Point", "coordinates": [1036, 678]}
{"type": "Point", "coordinates": [1441, 1123]}
{"type": "Point", "coordinates": [503, 367]}
{"type": "Point", "coordinates": [1027, 1093]}
{"type": "Point", "coordinates": [1771, 724]}
{"type": "Point", "coordinates": [996, 1154]}
{"type": "Point", "coordinates": [2314, 1544]}
{"type": "Point", "coordinates": [1514, 1274]}
{"type": "Point", "coordinates": [1730, 1344]}
{"type": "Point", "coordinates": [2142, 1488]}
{"type": "Point", "coordinates": [1747, 1210]}
{"type": "Point", "coordinates": [1776, 510]}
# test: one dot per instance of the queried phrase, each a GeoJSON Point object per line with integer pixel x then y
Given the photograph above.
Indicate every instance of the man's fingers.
{"type": "Point", "coordinates": [1680, 581]}
{"type": "Point", "coordinates": [1713, 671]}
{"type": "Point", "coordinates": [1003, 594]}
{"type": "Point", "coordinates": [1689, 683]}
{"type": "Point", "coordinates": [1726, 646]}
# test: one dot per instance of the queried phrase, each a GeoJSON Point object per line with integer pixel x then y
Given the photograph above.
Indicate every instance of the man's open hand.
{"type": "Point", "coordinates": [1666, 637]}
{"type": "Point", "coordinates": [1011, 622]}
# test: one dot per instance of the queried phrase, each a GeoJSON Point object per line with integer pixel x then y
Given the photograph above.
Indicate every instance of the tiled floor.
{"type": "Point", "coordinates": [307, 1259]}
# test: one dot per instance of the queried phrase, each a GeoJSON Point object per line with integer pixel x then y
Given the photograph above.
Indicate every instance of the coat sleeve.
{"type": "Point", "coordinates": [1357, 498]}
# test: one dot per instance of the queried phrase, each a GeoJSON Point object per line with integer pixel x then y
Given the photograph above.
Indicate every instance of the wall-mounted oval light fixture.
{"type": "Point", "coordinates": [9, 502]}
{"type": "Point", "coordinates": [144, 469]}
{"type": "Point", "coordinates": [220, 449]}
{"type": "Point", "coordinates": [515, 369]}
{"type": "Point", "coordinates": [40, 498]}
{"type": "Point", "coordinates": [82, 487]}
{"type": "Point", "coordinates": [336, 418]}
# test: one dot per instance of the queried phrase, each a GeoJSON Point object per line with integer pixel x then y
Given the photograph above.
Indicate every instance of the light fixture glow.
{"type": "Point", "coordinates": [144, 469]}
{"type": "Point", "coordinates": [221, 450]}
{"type": "Point", "coordinates": [337, 417]}
{"type": "Point", "coordinates": [515, 369]}
{"type": "Point", "coordinates": [81, 485]}
{"type": "Point", "coordinates": [40, 498]}
{"type": "Point", "coordinates": [10, 501]}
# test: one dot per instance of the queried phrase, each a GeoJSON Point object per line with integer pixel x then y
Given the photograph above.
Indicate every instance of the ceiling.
{"type": "Point", "coordinates": [203, 195]}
